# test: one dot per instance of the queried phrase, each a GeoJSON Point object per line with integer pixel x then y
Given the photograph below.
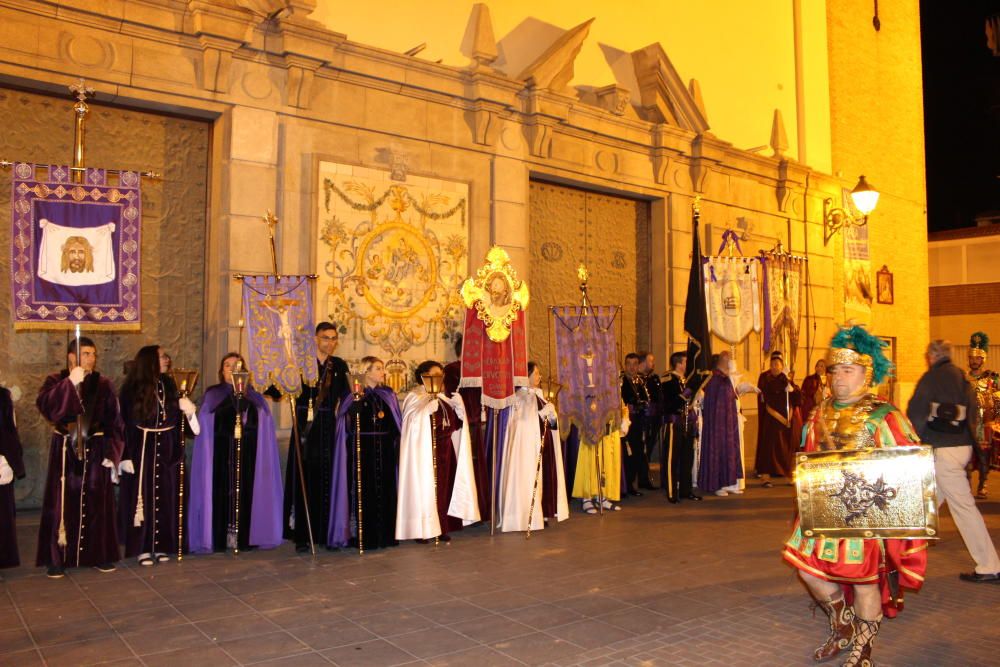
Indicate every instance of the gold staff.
{"type": "Point", "coordinates": [186, 379]}
{"type": "Point", "coordinates": [240, 378]}
{"type": "Point", "coordinates": [434, 384]}
{"type": "Point", "coordinates": [357, 388]}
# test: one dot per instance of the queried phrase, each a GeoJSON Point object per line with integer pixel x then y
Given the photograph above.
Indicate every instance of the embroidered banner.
{"type": "Point", "coordinates": [587, 369]}
{"type": "Point", "coordinates": [858, 292]}
{"type": "Point", "coordinates": [280, 330]}
{"type": "Point", "coordinates": [391, 256]}
{"type": "Point", "coordinates": [495, 367]}
{"type": "Point", "coordinates": [75, 250]}
{"type": "Point", "coordinates": [782, 303]}
{"type": "Point", "coordinates": [731, 284]}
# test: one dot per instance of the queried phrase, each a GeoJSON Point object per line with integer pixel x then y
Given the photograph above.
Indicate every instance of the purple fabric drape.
{"type": "Point", "coordinates": [265, 518]}
{"type": "Point", "coordinates": [720, 439]}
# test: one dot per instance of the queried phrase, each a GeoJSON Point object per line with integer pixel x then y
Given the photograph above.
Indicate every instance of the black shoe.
{"type": "Point", "coordinates": [648, 487]}
{"type": "Point", "coordinates": [105, 567]}
{"type": "Point", "coordinates": [301, 548]}
{"type": "Point", "coordinates": [976, 578]}
{"type": "Point", "coordinates": [673, 501]}
{"type": "Point", "coordinates": [637, 494]}
{"type": "Point", "coordinates": [55, 572]}
{"type": "Point", "coordinates": [693, 496]}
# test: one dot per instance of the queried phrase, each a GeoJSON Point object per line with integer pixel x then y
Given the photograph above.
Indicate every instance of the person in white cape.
{"type": "Point", "coordinates": [436, 495]}
{"type": "Point", "coordinates": [532, 476]}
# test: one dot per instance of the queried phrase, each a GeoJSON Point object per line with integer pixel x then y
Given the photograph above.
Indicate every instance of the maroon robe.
{"type": "Point", "coordinates": [472, 398]}
{"type": "Point", "coordinates": [10, 448]}
{"type": "Point", "coordinates": [446, 422]}
{"type": "Point", "coordinates": [550, 480]}
{"type": "Point", "coordinates": [775, 443]}
{"type": "Point", "coordinates": [87, 503]}
{"type": "Point", "coordinates": [811, 394]}
{"type": "Point", "coordinates": [157, 472]}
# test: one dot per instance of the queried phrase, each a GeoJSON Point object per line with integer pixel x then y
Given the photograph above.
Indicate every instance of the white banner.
{"type": "Point", "coordinates": [75, 256]}
{"type": "Point", "coordinates": [733, 297]}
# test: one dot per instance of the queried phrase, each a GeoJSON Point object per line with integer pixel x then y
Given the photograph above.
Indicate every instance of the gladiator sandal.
{"type": "Point", "coordinates": [841, 617]}
{"type": "Point", "coordinates": [864, 639]}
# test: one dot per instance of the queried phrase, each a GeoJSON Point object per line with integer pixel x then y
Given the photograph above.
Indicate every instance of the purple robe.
{"type": "Point", "coordinates": [10, 448]}
{"type": "Point", "coordinates": [342, 507]}
{"type": "Point", "coordinates": [85, 505]}
{"type": "Point", "coordinates": [265, 517]}
{"type": "Point", "coordinates": [720, 436]}
{"type": "Point", "coordinates": [156, 458]}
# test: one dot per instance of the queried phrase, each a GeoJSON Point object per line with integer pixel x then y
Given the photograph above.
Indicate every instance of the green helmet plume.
{"type": "Point", "coordinates": [858, 338]}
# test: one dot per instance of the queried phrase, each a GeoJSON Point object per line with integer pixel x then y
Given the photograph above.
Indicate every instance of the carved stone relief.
{"type": "Point", "coordinates": [39, 128]}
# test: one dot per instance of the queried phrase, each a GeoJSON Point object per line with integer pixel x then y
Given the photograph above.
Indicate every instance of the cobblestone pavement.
{"type": "Point", "coordinates": [695, 584]}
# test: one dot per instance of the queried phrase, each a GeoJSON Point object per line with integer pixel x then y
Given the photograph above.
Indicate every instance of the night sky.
{"type": "Point", "coordinates": [961, 112]}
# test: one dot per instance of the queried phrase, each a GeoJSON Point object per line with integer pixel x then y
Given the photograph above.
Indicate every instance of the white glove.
{"type": "Point", "coordinates": [459, 405]}
{"type": "Point", "coordinates": [548, 411]}
{"type": "Point", "coordinates": [6, 472]}
{"type": "Point", "coordinates": [187, 406]}
{"type": "Point", "coordinates": [126, 467]}
{"type": "Point", "coordinates": [193, 423]}
{"type": "Point", "coordinates": [77, 374]}
{"type": "Point", "coordinates": [789, 388]}
{"type": "Point", "coordinates": [109, 464]}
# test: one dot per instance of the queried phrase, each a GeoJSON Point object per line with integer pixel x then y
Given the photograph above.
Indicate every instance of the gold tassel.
{"type": "Point", "coordinates": [309, 412]}
{"type": "Point", "coordinates": [62, 500]}
{"type": "Point", "coordinates": [238, 429]}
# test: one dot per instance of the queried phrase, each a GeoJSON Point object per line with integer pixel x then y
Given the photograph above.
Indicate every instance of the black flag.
{"type": "Point", "coordinates": [699, 352]}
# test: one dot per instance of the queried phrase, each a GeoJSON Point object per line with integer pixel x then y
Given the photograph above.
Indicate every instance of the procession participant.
{"type": "Point", "coordinates": [437, 486]}
{"type": "Point", "coordinates": [943, 411]}
{"type": "Point", "coordinates": [212, 514]}
{"type": "Point", "coordinates": [377, 417]}
{"type": "Point", "coordinates": [77, 526]}
{"type": "Point", "coordinates": [815, 389]}
{"type": "Point", "coordinates": [531, 477]}
{"type": "Point", "coordinates": [593, 481]}
{"type": "Point", "coordinates": [720, 463]}
{"type": "Point", "coordinates": [472, 398]}
{"type": "Point", "coordinates": [147, 503]}
{"type": "Point", "coordinates": [852, 419]}
{"type": "Point", "coordinates": [633, 390]}
{"type": "Point", "coordinates": [775, 443]}
{"type": "Point", "coordinates": [316, 410]}
{"type": "Point", "coordinates": [654, 418]}
{"type": "Point", "coordinates": [677, 454]}
{"type": "Point", "coordinates": [11, 468]}
{"type": "Point", "coordinates": [987, 386]}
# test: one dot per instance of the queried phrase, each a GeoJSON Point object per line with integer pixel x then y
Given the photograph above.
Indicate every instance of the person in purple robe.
{"type": "Point", "coordinates": [77, 525]}
{"type": "Point", "coordinates": [776, 441]}
{"type": "Point", "coordinates": [214, 524]}
{"type": "Point", "coordinates": [721, 465]}
{"type": "Point", "coordinates": [375, 420]}
{"type": "Point", "coordinates": [11, 468]}
{"type": "Point", "coordinates": [148, 499]}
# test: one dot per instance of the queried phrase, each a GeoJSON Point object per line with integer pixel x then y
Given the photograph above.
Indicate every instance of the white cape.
{"type": "Point", "coordinates": [520, 465]}
{"type": "Point", "coordinates": [416, 508]}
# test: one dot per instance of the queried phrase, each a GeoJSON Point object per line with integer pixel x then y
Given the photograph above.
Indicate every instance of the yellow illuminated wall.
{"type": "Point", "coordinates": [742, 53]}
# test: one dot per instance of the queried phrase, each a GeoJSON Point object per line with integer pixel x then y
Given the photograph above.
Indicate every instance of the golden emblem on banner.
{"type": "Point", "coordinates": [496, 294]}
{"type": "Point", "coordinates": [869, 493]}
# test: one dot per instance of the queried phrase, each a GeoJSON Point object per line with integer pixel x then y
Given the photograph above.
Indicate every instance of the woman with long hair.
{"type": "Point", "coordinates": [219, 517]}
{"type": "Point", "coordinates": [152, 411]}
{"type": "Point", "coordinates": [376, 420]}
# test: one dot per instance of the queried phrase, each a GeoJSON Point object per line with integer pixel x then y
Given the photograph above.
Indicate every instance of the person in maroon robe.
{"type": "Point", "coordinates": [778, 398]}
{"type": "Point", "coordinates": [814, 389]}
{"type": "Point", "coordinates": [77, 526]}
{"type": "Point", "coordinates": [148, 502]}
{"type": "Point", "coordinates": [472, 399]}
{"type": "Point", "coordinates": [11, 468]}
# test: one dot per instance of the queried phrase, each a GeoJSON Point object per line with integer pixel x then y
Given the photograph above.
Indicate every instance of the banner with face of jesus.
{"type": "Point", "coordinates": [75, 249]}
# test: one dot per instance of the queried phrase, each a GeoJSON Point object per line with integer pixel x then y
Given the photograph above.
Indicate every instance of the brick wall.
{"type": "Point", "coordinates": [965, 299]}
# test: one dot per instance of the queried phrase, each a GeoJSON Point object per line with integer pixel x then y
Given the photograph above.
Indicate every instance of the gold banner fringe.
{"type": "Point", "coordinates": [70, 326]}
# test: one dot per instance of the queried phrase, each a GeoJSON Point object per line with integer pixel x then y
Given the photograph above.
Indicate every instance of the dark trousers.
{"type": "Point", "coordinates": [676, 461]}
{"type": "Point", "coordinates": [633, 454]}
{"type": "Point", "coordinates": [651, 439]}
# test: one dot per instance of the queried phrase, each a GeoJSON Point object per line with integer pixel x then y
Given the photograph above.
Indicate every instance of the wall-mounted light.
{"type": "Point", "coordinates": [864, 196]}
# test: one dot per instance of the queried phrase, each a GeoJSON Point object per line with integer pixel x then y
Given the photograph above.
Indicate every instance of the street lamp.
{"type": "Point", "coordinates": [865, 198]}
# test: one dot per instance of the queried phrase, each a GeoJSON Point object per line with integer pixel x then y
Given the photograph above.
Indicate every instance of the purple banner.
{"type": "Point", "coordinates": [282, 344]}
{"type": "Point", "coordinates": [587, 369]}
{"type": "Point", "coordinates": [75, 249]}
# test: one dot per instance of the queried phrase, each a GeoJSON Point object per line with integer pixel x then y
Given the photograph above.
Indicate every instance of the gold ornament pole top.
{"type": "Point", "coordinates": [272, 222]}
{"type": "Point", "coordinates": [81, 109]}
{"type": "Point", "coordinates": [496, 294]}
{"type": "Point", "coordinates": [583, 276]}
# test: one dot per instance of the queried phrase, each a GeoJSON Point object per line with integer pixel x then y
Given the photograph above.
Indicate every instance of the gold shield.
{"type": "Point", "coordinates": [868, 493]}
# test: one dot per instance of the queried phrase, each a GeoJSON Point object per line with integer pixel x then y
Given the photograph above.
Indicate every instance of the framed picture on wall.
{"type": "Point", "coordinates": [883, 283]}
{"type": "Point", "coordinates": [888, 387]}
